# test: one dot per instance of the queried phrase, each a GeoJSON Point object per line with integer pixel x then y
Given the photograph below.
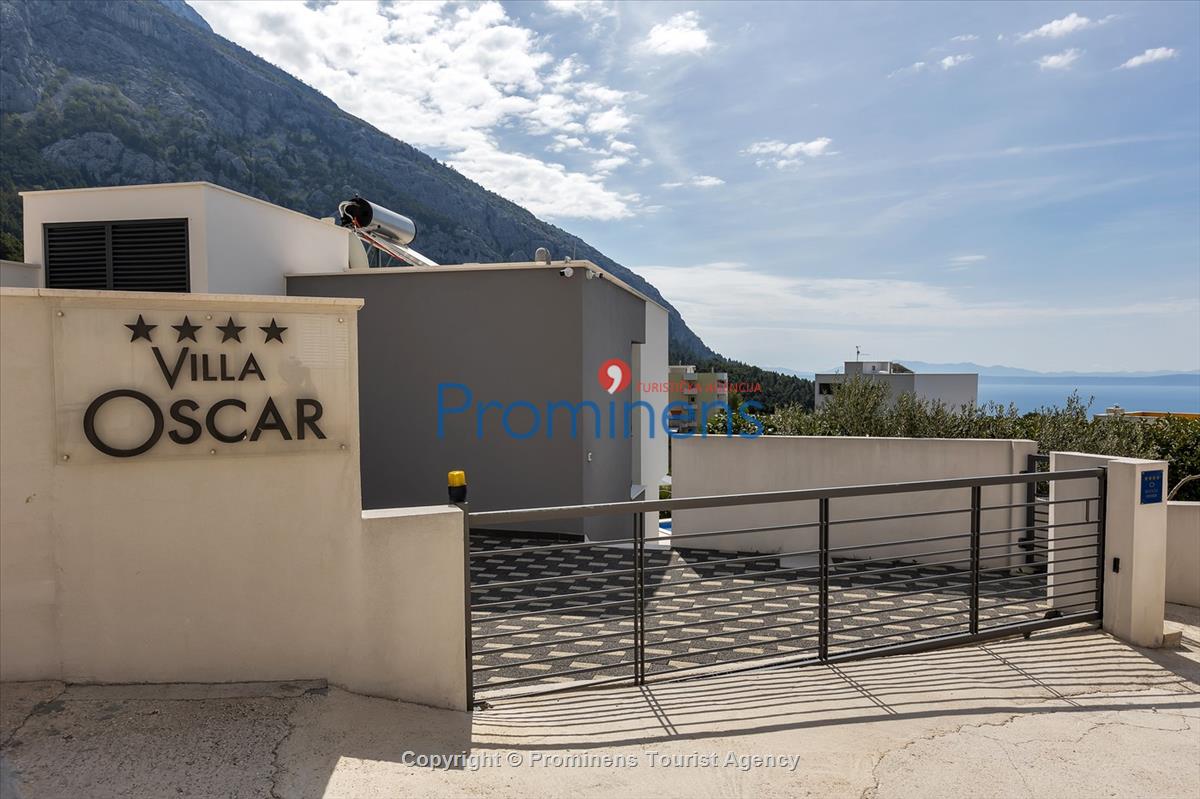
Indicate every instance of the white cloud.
{"type": "Point", "coordinates": [1149, 57]}
{"type": "Point", "coordinates": [963, 261]}
{"type": "Point", "coordinates": [606, 165]}
{"type": "Point", "coordinates": [613, 120]}
{"type": "Point", "coordinates": [782, 155]}
{"type": "Point", "coordinates": [726, 296]}
{"type": "Point", "coordinates": [699, 182]}
{"type": "Point", "coordinates": [951, 61]}
{"type": "Point", "coordinates": [1062, 60]}
{"type": "Point", "coordinates": [1056, 29]}
{"type": "Point", "coordinates": [919, 66]}
{"type": "Point", "coordinates": [964, 37]}
{"type": "Point", "coordinates": [468, 71]}
{"type": "Point", "coordinates": [588, 9]}
{"type": "Point", "coordinates": [679, 34]}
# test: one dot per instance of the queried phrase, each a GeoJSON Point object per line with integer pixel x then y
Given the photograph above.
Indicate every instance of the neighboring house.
{"type": "Point", "coordinates": [695, 390]}
{"type": "Point", "coordinates": [517, 336]}
{"type": "Point", "coordinates": [953, 390]}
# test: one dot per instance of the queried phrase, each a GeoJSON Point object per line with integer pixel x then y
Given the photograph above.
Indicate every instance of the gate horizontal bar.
{"type": "Point", "coordinates": [774, 584]}
{"type": "Point", "coordinates": [767, 497]}
{"type": "Point", "coordinates": [901, 559]}
{"type": "Point", "coordinates": [892, 623]}
{"type": "Point", "coordinates": [706, 563]}
{"type": "Point", "coordinates": [498, 683]}
{"type": "Point", "coordinates": [567, 611]}
{"type": "Point", "coordinates": [755, 601]}
{"type": "Point", "coordinates": [892, 516]}
{"type": "Point", "coordinates": [556, 578]}
{"type": "Point", "coordinates": [1039, 588]}
{"type": "Point", "coordinates": [1039, 503]}
{"type": "Point", "coordinates": [726, 648]}
{"type": "Point", "coordinates": [572, 625]}
{"type": "Point", "coordinates": [673, 537]}
{"type": "Point", "coordinates": [481, 553]}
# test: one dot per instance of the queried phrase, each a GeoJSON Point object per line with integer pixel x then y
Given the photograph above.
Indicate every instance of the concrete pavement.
{"type": "Point", "coordinates": [1070, 712]}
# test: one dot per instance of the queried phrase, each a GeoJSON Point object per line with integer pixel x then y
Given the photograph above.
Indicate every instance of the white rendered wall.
{"type": "Point", "coordinates": [953, 390]}
{"type": "Point", "coordinates": [1183, 553]}
{"type": "Point", "coordinates": [651, 376]}
{"type": "Point", "coordinates": [236, 244]}
{"type": "Point", "coordinates": [721, 465]}
{"type": "Point", "coordinates": [183, 567]}
{"type": "Point", "coordinates": [1135, 533]}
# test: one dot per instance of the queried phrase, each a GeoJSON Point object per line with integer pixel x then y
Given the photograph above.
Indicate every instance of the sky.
{"type": "Point", "coordinates": [1004, 183]}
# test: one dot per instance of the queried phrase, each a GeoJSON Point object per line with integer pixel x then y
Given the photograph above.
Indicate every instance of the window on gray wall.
{"type": "Point", "coordinates": [131, 255]}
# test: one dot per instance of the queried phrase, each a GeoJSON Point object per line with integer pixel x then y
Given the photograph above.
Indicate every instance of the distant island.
{"type": "Point", "coordinates": [1003, 371]}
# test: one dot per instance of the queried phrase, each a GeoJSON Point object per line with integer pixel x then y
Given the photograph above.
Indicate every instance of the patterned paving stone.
{"type": "Point", "coordinates": [701, 611]}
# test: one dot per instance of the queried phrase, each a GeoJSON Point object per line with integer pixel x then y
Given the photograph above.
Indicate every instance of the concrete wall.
{"type": "Point", "coordinates": [720, 465]}
{"type": "Point", "coordinates": [1183, 553]}
{"type": "Point", "coordinates": [14, 274]}
{"type": "Point", "coordinates": [1135, 535]}
{"type": "Point", "coordinates": [236, 243]}
{"type": "Point", "coordinates": [233, 564]}
{"type": "Point", "coordinates": [651, 462]}
{"type": "Point", "coordinates": [954, 390]}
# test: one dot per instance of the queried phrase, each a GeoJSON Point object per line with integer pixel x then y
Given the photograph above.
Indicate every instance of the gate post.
{"type": "Point", "coordinates": [976, 524]}
{"type": "Point", "coordinates": [823, 580]}
{"type": "Point", "coordinates": [1133, 534]}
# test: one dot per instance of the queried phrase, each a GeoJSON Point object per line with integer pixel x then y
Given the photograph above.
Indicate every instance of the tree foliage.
{"type": "Point", "coordinates": [861, 407]}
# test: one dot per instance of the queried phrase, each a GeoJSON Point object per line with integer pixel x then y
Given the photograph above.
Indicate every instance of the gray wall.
{"type": "Point", "coordinates": [612, 321]}
{"type": "Point", "coordinates": [528, 335]}
{"type": "Point", "coordinates": [14, 274]}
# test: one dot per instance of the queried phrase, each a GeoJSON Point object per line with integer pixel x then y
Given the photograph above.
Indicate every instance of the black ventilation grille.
{"type": "Point", "coordinates": [150, 256]}
{"type": "Point", "coordinates": [137, 255]}
{"type": "Point", "coordinates": [76, 257]}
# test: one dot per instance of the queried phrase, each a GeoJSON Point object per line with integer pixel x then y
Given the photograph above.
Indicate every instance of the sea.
{"type": "Point", "coordinates": [1178, 393]}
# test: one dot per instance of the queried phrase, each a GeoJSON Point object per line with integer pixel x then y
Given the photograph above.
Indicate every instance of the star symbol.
{"type": "Point", "coordinates": [186, 330]}
{"type": "Point", "coordinates": [273, 331]}
{"type": "Point", "coordinates": [231, 331]}
{"type": "Point", "coordinates": [140, 329]}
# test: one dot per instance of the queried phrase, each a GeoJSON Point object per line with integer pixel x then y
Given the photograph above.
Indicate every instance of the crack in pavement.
{"type": "Point", "coordinates": [39, 709]}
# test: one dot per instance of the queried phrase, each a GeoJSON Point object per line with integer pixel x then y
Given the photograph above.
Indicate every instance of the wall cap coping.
{"type": "Point", "coordinates": [721, 436]}
{"type": "Point", "coordinates": [189, 185]}
{"type": "Point", "coordinates": [416, 510]}
{"type": "Point", "coordinates": [507, 266]}
{"type": "Point", "coordinates": [174, 299]}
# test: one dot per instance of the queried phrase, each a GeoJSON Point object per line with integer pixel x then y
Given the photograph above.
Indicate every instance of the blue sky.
{"type": "Point", "coordinates": [999, 183]}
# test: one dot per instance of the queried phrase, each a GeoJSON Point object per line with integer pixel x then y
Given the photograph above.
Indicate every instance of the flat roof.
{"type": "Point", "coordinates": [190, 184]}
{"type": "Point", "coordinates": [510, 266]}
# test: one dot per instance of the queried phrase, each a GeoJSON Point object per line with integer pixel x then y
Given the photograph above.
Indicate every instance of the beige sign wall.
{"type": "Point", "coordinates": [206, 560]}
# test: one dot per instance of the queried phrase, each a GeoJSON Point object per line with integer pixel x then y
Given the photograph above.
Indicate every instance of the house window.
{"type": "Point", "coordinates": [825, 388]}
{"type": "Point", "coordinates": [133, 255]}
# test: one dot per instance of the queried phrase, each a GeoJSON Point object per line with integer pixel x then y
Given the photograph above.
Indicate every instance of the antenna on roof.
{"type": "Point", "coordinates": [387, 231]}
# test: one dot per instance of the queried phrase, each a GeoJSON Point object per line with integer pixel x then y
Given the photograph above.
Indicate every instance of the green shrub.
{"type": "Point", "coordinates": [862, 407]}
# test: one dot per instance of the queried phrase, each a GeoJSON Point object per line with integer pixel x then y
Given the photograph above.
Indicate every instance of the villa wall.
{"type": "Point", "coordinates": [704, 466]}
{"type": "Point", "coordinates": [1183, 553]}
{"type": "Point", "coordinates": [208, 561]}
{"type": "Point", "coordinates": [236, 243]}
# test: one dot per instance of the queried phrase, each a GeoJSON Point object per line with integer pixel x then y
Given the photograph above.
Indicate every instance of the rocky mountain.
{"type": "Point", "coordinates": [138, 91]}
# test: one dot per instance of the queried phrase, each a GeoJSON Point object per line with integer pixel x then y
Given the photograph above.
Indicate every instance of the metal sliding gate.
{"type": "Point", "coordinates": [978, 558]}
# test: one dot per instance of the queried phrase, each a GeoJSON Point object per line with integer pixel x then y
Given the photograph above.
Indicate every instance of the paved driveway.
{"type": "Point", "coordinates": [1069, 713]}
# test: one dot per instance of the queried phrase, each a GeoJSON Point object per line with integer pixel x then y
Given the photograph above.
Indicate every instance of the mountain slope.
{"type": "Point", "coordinates": [102, 93]}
